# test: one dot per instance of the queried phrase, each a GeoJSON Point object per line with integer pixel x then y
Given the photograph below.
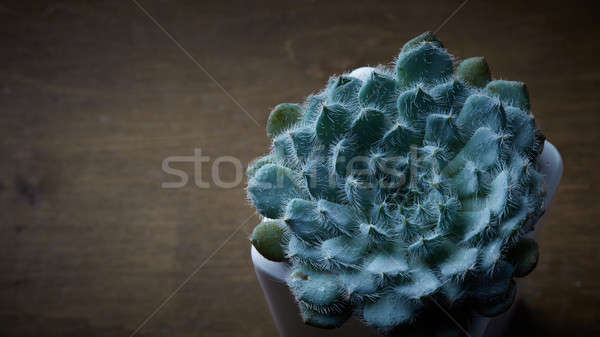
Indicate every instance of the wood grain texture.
{"type": "Point", "coordinates": [93, 97]}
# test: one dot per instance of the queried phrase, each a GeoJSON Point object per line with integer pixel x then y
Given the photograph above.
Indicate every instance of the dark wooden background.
{"type": "Point", "coordinates": [93, 97]}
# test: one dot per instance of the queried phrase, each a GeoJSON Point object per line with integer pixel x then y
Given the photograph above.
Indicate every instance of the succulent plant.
{"type": "Point", "coordinates": [394, 192]}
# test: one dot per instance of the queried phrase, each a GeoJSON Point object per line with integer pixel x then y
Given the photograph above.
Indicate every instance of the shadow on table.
{"type": "Point", "coordinates": [525, 323]}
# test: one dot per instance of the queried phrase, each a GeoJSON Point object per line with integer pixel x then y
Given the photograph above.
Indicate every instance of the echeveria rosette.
{"type": "Point", "coordinates": [393, 191]}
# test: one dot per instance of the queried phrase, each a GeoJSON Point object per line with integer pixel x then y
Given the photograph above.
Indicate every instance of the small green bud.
{"type": "Point", "coordinates": [425, 37]}
{"type": "Point", "coordinates": [282, 118]}
{"type": "Point", "coordinates": [474, 71]}
{"type": "Point", "coordinates": [269, 237]}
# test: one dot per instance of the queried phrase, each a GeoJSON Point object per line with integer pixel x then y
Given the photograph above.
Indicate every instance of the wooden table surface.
{"type": "Point", "coordinates": [93, 97]}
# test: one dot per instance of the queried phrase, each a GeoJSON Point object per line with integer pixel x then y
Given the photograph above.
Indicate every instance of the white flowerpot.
{"type": "Point", "coordinates": [272, 276]}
